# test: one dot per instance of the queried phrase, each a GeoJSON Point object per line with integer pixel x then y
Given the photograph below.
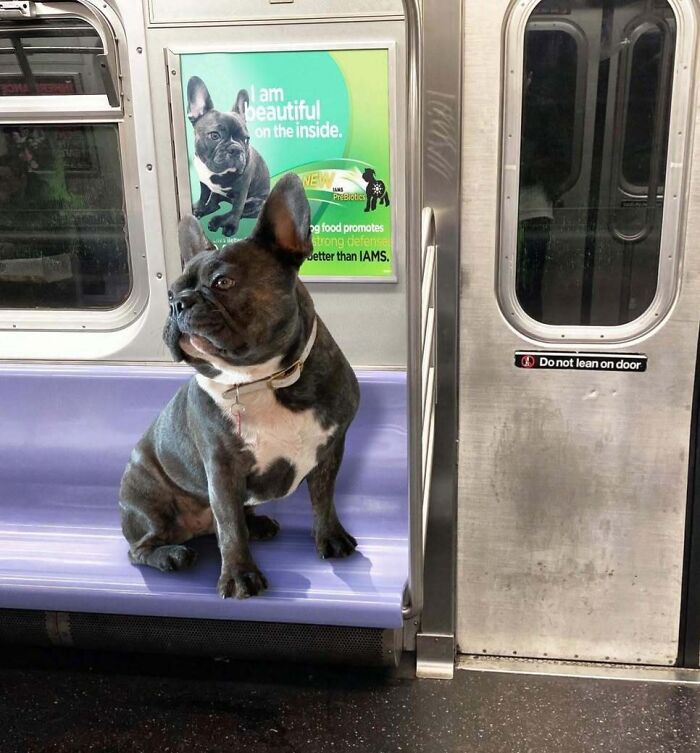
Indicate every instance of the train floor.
{"type": "Point", "coordinates": [63, 701]}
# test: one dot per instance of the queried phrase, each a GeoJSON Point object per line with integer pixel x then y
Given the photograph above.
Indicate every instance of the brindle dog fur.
{"type": "Point", "coordinates": [239, 314]}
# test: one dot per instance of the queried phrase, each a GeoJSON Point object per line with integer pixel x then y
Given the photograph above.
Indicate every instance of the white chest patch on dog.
{"type": "Point", "coordinates": [205, 176]}
{"type": "Point", "coordinates": [269, 430]}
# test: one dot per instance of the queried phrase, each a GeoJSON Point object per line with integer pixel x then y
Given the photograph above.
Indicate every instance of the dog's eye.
{"type": "Point", "coordinates": [214, 135]}
{"type": "Point", "coordinates": [222, 283]}
{"type": "Point", "coordinates": [246, 140]}
{"type": "Point", "coordinates": [170, 295]}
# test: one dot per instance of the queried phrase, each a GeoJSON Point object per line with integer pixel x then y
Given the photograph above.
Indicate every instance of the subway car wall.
{"type": "Point", "coordinates": [498, 210]}
{"type": "Point", "coordinates": [102, 150]}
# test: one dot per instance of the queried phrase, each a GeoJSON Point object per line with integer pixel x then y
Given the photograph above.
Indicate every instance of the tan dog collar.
{"type": "Point", "coordinates": [280, 379]}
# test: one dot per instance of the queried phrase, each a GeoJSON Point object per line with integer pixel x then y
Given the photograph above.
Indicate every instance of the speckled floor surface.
{"type": "Point", "coordinates": [55, 702]}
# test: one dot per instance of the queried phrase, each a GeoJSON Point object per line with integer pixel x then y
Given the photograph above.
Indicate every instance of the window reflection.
{"type": "Point", "coordinates": [63, 241]}
{"type": "Point", "coordinates": [49, 57]}
{"type": "Point", "coordinates": [593, 159]}
{"type": "Point", "coordinates": [547, 153]}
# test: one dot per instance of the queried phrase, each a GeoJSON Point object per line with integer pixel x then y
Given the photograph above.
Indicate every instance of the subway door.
{"type": "Point", "coordinates": [579, 191]}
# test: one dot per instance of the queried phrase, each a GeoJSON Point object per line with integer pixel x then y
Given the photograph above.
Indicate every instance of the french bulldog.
{"type": "Point", "coordinates": [269, 407]}
{"type": "Point", "coordinates": [229, 168]}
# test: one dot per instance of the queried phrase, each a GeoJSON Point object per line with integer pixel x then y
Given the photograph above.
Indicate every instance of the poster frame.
{"type": "Point", "coordinates": [183, 187]}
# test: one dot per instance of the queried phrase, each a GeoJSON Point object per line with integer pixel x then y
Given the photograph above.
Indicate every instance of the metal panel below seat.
{"type": "Point", "coordinates": [249, 641]}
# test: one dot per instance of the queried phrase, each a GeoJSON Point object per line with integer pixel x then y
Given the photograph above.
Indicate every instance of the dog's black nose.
{"type": "Point", "coordinates": [183, 301]}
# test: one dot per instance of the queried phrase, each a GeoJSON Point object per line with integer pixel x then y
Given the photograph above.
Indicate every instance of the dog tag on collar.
{"type": "Point", "coordinates": [237, 410]}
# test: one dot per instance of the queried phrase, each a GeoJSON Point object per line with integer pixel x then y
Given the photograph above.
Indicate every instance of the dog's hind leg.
{"type": "Point", "coordinates": [156, 546]}
{"type": "Point", "coordinates": [385, 200]}
{"type": "Point", "coordinates": [332, 540]}
{"type": "Point", "coordinates": [166, 558]}
{"type": "Point", "coordinates": [260, 527]}
{"type": "Point", "coordinates": [150, 523]}
{"type": "Point", "coordinates": [252, 207]}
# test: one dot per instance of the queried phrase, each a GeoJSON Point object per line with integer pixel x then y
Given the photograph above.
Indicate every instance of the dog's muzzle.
{"type": "Point", "coordinates": [185, 300]}
{"type": "Point", "coordinates": [234, 156]}
{"type": "Point", "coordinates": [182, 302]}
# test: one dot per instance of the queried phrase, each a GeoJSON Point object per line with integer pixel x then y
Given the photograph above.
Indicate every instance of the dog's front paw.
{"type": "Point", "coordinates": [225, 224]}
{"type": "Point", "coordinates": [229, 228]}
{"type": "Point", "coordinates": [335, 543]}
{"type": "Point", "coordinates": [242, 583]}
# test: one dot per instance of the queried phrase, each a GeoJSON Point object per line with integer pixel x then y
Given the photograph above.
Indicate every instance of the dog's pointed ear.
{"type": "Point", "coordinates": [192, 239]}
{"type": "Point", "coordinates": [198, 100]}
{"type": "Point", "coordinates": [285, 220]}
{"type": "Point", "coordinates": [242, 101]}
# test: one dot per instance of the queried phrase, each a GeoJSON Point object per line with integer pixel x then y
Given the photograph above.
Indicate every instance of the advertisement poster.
{"type": "Point", "coordinates": [251, 117]}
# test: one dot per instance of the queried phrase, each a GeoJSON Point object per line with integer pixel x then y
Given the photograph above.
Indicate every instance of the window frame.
{"type": "Point", "coordinates": [672, 229]}
{"type": "Point", "coordinates": [86, 109]}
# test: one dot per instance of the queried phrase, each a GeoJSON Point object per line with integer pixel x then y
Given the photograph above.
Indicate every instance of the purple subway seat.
{"type": "Point", "coordinates": [67, 432]}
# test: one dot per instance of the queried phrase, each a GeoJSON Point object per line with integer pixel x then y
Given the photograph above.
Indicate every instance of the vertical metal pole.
{"type": "Point", "coordinates": [442, 76]}
{"type": "Point", "coordinates": [414, 203]}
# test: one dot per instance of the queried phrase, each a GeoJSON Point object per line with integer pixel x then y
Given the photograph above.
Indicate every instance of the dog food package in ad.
{"type": "Point", "coordinates": [251, 117]}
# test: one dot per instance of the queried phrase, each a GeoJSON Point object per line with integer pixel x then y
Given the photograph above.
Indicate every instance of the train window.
{"type": "Point", "coordinates": [64, 240]}
{"type": "Point", "coordinates": [583, 185]}
{"type": "Point", "coordinates": [50, 57]}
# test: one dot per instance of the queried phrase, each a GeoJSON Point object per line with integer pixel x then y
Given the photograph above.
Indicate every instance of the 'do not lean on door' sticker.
{"type": "Point", "coordinates": [553, 360]}
{"type": "Point", "coordinates": [251, 117]}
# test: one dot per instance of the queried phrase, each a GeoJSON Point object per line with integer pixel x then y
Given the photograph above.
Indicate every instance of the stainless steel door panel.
{"type": "Point", "coordinates": [572, 485]}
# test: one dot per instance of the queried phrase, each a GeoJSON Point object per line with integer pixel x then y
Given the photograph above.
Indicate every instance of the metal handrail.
{"type": "Point", "coordinates": [52, 50]}
{"type": "Point", "coordinates": [25, 29]}
{"type": "Point", "coordinates": [413, 601]}
{"type": "Point", "coordinates": [428, 358]}
{"type": "Point", "coordinates": [427, 231]}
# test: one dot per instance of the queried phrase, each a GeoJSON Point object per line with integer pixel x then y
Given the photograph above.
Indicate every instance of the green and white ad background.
{"type": "Point", "coordinates": [325, 116]}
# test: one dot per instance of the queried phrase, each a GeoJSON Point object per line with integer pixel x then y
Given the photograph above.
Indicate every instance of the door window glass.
{"type": "Point", "coordinates": [642, 110]}
{"type": "Point", "coordinates": [589, 226]}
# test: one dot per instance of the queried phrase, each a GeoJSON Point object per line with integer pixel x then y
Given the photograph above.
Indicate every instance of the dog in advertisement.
{"type": "Point", "coordinates": [228, 167]}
